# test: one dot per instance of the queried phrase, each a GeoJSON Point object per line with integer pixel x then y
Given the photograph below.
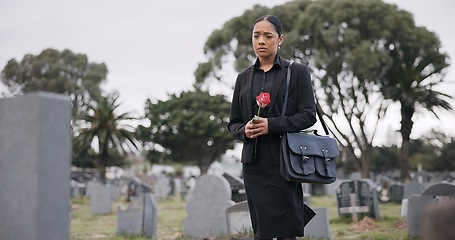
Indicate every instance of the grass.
{"type": "Point", "coordinates": [172, 213]}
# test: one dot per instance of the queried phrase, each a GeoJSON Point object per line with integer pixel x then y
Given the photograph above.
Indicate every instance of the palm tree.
{"type": "Point", "coordinates": [417, 67]}
{"type": "Point", "coordinates": [105, 130]}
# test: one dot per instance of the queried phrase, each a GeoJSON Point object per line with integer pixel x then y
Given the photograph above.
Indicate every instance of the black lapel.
{"type": "Point", "coordinates": [249, 92]}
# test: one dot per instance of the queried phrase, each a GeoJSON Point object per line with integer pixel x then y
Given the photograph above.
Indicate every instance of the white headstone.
{"type": "Point", "coordinates": [238, 219]}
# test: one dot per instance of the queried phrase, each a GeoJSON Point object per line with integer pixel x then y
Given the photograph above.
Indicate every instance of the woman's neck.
{"type": "Point", "coordinates": [266, 63]}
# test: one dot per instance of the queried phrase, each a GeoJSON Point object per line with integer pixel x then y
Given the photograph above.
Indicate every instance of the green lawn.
{"type": "Point", "coordinates": [172, 213]}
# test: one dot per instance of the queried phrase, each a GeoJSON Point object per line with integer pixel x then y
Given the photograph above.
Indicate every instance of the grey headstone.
{"type": "Point", "coordinates": [412, 188]}
{"type": "Point", "coordinates": [101, 200]}
{"type": "Point", "coordinates": [75, 190]}
{"type": "Point", "coordinates": [90, 186]}
{"type": "Point", "coordinates": [440, 189]}
{"type": "Point", "coordinates": [35, 157]}
{"type": "Point", "coordinates": [319, 226]}
{"type": "Point", "coordinates": [206, 209]}
{"type": "Point", "coordinates": [162, 188]}
{"type": "Point", "coordinates": [129, 220]}
{"type": "Point", "coordinates": [140, 218]}
{"type": "Point", "coordinates": [238, 219]}
{"type": "Point", "coordinates": [115, 192]}
{"type": "Point", "coordinates": [150, 215]}
{"type": "Point", "coordinates": [416, 206]}
{"type": "Point", "coordinates": [177, 186]}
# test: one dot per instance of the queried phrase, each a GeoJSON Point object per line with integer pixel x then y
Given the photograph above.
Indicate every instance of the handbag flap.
{"type": "Point", "coordinates": [312, 145]}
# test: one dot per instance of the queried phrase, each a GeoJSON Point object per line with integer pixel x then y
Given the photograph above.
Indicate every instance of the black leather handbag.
{"type": "Point", "coordinates": [307, 157]}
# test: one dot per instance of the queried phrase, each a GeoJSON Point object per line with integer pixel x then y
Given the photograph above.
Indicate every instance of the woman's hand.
{"type": "Point", "coordinates": [258, 128]}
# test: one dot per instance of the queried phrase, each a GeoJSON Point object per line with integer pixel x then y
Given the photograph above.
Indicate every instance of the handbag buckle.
{"type": "Point", "coordinates": [325, 152]}
{"type": "Point", "coordinates": [304, 158]}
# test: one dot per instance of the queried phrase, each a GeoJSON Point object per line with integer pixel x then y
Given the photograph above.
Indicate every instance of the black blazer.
{"type": "Point", "coordinates": [300, 110]}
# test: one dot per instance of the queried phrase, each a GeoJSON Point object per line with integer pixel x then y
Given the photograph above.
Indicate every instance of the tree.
{"type": "Point", "coordinates": [106, 131]}
{"type": "Point", "coordinates": [434, 152]}
{"type": "Point", "coordinates": [417, 67]}
{"type": "Point", "coordinates": [188, 128]}
{"type": "Point", "coordinates": [384, 159]}
{"type": "Point", "coordinates": [60, 72]}
{"type": "Point", "coordinates": [346, 43]}
{"type": "Point", "coordinates": [447, 156]}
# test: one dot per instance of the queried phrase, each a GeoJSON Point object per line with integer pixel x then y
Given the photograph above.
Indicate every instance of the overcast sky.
{"type": "Point", "coordinates": [152, 48]}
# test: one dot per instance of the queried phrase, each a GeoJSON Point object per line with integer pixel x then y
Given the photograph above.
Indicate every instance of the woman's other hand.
{"type": "Point", "coordinates": [258, 128]}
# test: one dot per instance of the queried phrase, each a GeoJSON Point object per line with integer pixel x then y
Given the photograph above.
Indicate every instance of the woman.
{"type": "Point", "coordinates": [276, 206]}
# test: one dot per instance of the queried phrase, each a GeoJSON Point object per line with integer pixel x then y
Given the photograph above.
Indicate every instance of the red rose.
{"type": "Point", "coordinates": [263, 99]}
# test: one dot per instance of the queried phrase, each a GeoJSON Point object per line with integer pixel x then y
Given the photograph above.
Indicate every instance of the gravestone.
{"type": "Point", "coordinates": [383, 185]}
{"type": "Point", "coordinates": [206, 208]}
{"type": "Point", "coordinates": [150, 215]}
{"type": "Point", "coordinates": [319, 226]}
{"type": "Point", "coordinates": [162, 187]}
{"type": "Point", "coordinates": [176, 186]}
{"type": "Point", "coordinates": [140, 218]}
{"type": "Point", "coordinates": [237, 187]}
{"type": "Point", "coordinates": [115, 192]}
{"type": "Point", "coordinates": [357, 196]}
{"type": "Point", "coordinates": [238, 219]}
{"type": "Point", "coordinates": [100, 199]}
{"type": "Point", "coordinates": [75, 190]}
{"type": "Point", "coordinates": [411, 188]}
{"type": "Point", "coordinates": [396, 192]}
{"type": "Point", "coordinates": [418, 204]}
{"type": "Point", "coordinates": [129, 220]}
{"type": "Point", "coordinates": [404, 207]}
{"type": "Point", "coordinates": [35, 157]}
{"type": "Point", "coordinates": [90, 188]}
{"type": "Point", "coordinates": [440, 189]}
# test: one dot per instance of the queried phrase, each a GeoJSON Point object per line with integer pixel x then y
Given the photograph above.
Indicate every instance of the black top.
{"type": "Point", "coordinates": [300, 111]}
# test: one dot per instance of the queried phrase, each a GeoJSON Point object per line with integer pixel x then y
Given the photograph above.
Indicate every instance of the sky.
{"type": "Point", "coordinates": [152, 48]}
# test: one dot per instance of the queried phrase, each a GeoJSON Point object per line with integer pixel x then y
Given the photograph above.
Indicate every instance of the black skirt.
{"type": "Point", "coordinates": [276, 206]}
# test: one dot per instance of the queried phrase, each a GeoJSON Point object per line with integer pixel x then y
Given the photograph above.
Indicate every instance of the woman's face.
{"type": "Point", "coordinates": [265, 39]}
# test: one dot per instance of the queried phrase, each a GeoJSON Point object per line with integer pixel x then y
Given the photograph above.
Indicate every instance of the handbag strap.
{"type": "Point", "coordinates": [318, 111]}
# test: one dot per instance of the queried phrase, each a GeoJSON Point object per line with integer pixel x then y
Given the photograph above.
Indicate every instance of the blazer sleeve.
{"type": "Point", "coordinates": [301, 108]}
{"type": "Point", "coordinates": [236, 125]}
